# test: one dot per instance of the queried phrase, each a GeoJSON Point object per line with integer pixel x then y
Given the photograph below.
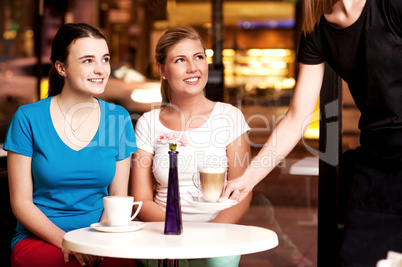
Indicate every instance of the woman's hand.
{"type": "Point", "coordinates": [83, 259]}
{"type": "Point", "coordinates": [78, 256]}
{"type": "Point", "coordinates": [237, 189]}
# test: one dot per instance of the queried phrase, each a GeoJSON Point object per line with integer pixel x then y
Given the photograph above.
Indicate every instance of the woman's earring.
{"type": "Point", "coordinates": [163, 77]}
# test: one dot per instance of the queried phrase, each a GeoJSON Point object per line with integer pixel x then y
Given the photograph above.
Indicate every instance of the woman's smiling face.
{"type": "Point", "coordinates": [186, 68]}
{"type": "Point", "coordinates": [88, 68]}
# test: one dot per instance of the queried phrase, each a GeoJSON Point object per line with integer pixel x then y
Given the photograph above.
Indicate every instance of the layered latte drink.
{"type": "Point", "coordinates": [211, 180]}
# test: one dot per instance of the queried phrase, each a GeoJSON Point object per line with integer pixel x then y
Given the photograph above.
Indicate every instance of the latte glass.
{"type": "Point", "coordinates": [210, 180]}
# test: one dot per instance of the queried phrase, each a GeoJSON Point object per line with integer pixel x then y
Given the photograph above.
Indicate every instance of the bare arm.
{"type": "Point", "coordinates": [26, 212]}
{"type": "Point", "coordinates": [238, 153]}
{"type": "Point", "coordinates": [142, 182]}
{"type": "Point", "coordinates": [286, 135]}
{"type": "Point", "coordinates": [119, 184]}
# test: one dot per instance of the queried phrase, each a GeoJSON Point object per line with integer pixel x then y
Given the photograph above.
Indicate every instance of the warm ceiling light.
{"type": "Point", "coordinates": [209, 52]}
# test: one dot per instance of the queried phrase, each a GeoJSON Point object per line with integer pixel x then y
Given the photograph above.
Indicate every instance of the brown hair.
{"type": "Point", "coordinates": [312, 12]}
{"type": "Point", "coordinates": [64, 37]}
{"type": "Point", "coordinates": [165, 43]}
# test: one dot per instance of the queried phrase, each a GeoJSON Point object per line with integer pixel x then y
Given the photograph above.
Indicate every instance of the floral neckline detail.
{"type": "Point", "coordinates": [173, 139]}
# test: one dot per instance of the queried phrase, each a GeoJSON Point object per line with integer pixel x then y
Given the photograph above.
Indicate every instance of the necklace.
{"type": "Point", "coordinates": [65, 119]}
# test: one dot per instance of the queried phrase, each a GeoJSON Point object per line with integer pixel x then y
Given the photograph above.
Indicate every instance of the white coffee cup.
{"type": "Point", "coordinates": [118, 209]}
{"type": "Point", "coordinates": [210, 180]}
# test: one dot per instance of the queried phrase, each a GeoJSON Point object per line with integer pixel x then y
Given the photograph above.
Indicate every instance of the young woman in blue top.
{"type": "Point", "coordinates": [66, 152]}
{"type": "Point", "coordinates": [362, 41]}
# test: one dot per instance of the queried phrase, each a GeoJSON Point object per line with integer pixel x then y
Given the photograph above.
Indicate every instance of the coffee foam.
{"type": "Point", "coordinates": [211, 169]}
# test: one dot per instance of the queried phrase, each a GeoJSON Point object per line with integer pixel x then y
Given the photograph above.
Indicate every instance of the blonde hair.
{"type": "Point", "coordinates": [165, 43]}
{"type": "Point", "coordinates": [312, 12]}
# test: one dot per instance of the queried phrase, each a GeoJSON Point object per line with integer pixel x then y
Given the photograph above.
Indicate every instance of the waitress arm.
{"type": "Point", "coordinates": [285, 136]}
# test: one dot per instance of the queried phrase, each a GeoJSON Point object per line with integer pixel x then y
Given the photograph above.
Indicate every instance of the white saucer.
{"type": "Point", "coordinates": [103, 227]}
{"type": "Point", "coordinates": [202, 204]}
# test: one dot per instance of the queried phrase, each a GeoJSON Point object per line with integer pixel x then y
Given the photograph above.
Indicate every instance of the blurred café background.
{"type": "Point", "coordinates": [251, 49]}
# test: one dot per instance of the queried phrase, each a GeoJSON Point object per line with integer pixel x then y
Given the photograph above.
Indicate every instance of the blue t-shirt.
{"type": "Point", "coordinates": [68, 185]}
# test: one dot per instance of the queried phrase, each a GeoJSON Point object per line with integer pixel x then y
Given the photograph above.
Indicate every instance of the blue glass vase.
{"type": "Point", "coordinates": [173, 220]}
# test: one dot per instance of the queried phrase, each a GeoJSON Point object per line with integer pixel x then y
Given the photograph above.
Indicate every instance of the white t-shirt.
{"type": "Point", "coordinates": [205, 144]}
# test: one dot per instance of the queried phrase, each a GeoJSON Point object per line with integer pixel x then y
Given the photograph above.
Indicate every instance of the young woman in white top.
{"type": "Point", "coordinates": [215, 132]}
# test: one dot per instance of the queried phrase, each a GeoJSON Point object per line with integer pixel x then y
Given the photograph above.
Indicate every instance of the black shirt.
{"type": "Point", "coordinates": [368, 56]}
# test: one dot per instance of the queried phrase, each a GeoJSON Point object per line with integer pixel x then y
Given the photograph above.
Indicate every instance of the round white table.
{"type": "Point", "coordinates": [198, 240]}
